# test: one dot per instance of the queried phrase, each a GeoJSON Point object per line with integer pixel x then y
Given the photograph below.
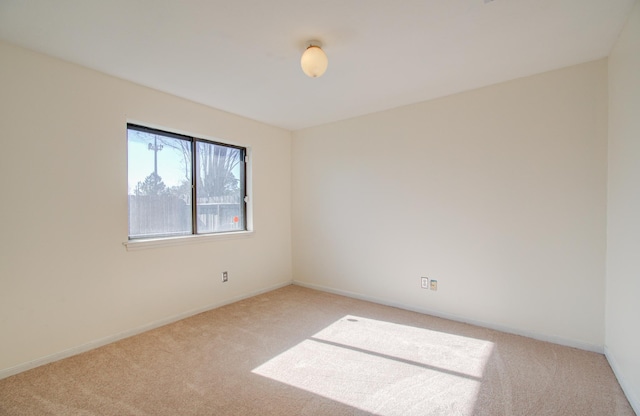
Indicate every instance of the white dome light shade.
{"type": "Point", "coordinates": [314, 61]}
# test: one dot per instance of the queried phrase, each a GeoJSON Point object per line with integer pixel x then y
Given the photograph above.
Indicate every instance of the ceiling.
{"type": "Point", "coordinates": [243, 56]}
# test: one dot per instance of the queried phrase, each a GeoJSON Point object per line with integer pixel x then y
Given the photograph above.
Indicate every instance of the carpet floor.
{"type": "Point", "coordinates": [297, 351]}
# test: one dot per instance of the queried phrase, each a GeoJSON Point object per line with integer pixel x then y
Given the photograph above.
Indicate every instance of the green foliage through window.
{"type": "Point", "coordinates": [162, 189]}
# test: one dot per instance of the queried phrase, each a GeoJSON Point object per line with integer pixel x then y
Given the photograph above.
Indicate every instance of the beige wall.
{"type": "Point", "coordinates": [623, 227]}
{"type": "Point", "coordinates": [499, 193]}
{"type": "Point", "coordinates": [65, 278]}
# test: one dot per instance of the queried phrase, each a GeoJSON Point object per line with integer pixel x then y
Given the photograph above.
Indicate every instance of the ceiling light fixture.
{"type": "Point", "coordinates": [314, 61]}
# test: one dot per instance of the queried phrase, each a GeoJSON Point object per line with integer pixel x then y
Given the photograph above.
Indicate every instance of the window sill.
{"type": "Point", "coordinates": [143, 244]}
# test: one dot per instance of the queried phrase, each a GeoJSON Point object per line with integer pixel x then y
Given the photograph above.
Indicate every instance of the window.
{"type": "Point", "coordinates": [168, 171]}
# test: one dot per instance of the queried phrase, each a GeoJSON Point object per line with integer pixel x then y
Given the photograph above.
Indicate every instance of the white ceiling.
{"type": "Point", "coordinates": [243, 56]}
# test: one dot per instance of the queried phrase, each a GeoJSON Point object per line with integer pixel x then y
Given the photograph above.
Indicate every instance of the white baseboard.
{"type": "Point", "coordinates": [628, 391]}
{"type": "Point", "coordinates": [7, 372]}
{"type": "Point", "coordinates": [541, 337]}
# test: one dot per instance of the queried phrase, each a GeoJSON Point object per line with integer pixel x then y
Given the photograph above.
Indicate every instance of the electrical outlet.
{"type": "Point", "coordinates": [225, 277]}
{"type": "Point", "coordinates": [434, 284]}
{"type": "Point", "coordinates": [424, 283]}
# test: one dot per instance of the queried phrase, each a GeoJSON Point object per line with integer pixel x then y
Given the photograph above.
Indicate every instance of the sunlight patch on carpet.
{"type": "Point", "coordinates": [385, 368]}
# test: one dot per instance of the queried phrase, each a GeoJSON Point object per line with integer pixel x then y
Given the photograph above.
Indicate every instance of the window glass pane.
{"type": "Point", "coordinates": [219, 188]}
{"type": "Point", "coordinates": [159, 185]}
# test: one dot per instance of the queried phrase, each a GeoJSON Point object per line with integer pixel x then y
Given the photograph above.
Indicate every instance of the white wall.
{"type": "Point", "coordinates": [499, 193]}
{"type": "Point", "coordinates": [65, 278]}
{"type": "Point", "coordinates": [623, 227]}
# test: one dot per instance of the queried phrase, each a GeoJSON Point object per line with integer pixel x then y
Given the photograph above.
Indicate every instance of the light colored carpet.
{"type": "Point", "coordinates": [296, 351]}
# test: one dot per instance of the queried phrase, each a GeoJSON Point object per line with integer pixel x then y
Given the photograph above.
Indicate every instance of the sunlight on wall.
{"type": "Point", "coordinates": [385, 368]}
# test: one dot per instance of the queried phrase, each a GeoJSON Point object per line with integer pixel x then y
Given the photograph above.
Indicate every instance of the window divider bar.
{"type": "Point", "coordinates": [194, 190]}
